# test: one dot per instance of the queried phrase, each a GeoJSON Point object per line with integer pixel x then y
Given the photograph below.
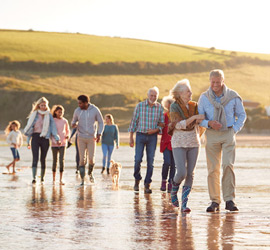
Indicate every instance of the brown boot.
{"type": "Point", "coordinates": [136, 186]}
{"type": "Point", "coordinates": [147, 189]}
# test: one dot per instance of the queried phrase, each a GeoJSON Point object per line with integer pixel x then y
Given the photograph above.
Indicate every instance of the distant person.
{"type": "Point", "coordinates": [84, 119]}
{"type": "Point", "coordinates": [109, 137]}
{"type": "Point", "coordinates": [224, 117]}
{"type": "Point", "coordinates": [77, 156]}
{"type": "Point", "coordinates": [15, 140]}
{"type": "Point", "coordinates": [185, 140]}
{"type": "Point", "coordinates": [59, 151]}
{"type": "Point", "coordinates": [40, 127]}
{"type": "Point", "coordinates": [166, 147]}
{"type": "Point", "coordinates": [146, 117]}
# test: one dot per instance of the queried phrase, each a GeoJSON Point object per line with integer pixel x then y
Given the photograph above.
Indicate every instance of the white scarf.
{"type": "Point", "coordinates": [46, 121]}
{"type": "Point", "coordinates": [219, 111]}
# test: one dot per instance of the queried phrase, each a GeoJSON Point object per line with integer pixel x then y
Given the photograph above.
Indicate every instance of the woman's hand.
{"type": "Point", "coordinates": [28, 146]}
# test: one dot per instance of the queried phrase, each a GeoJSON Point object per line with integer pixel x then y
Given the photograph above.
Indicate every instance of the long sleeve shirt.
{"type": "Point", "coordinates": [63, 132]}
{"type": "Point", "coordinates": [234, 110]}
{"type": "Point", "coordinates": [15, 137]}
{"type": "Point", "coordinates": [86, 120]}
{"type": "Point", "coordinates": [110, 135]}
{"type": "Point", "coordinates": [146, 117]}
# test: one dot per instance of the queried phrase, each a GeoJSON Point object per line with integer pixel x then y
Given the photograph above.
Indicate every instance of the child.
{"type": "Point", "coordinates": [166, 148]}
{"type": "Point", "coordinates": [109, 136]}
{"type": "Point", "coordinates": [64, 133]}
{"type": "Point", "coordinates": [14, 138]}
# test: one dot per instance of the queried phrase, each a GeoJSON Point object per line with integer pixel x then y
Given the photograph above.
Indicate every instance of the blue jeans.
{"type": "Point", "coordinates": [150, 142]}
{"type": "Point", "coordinates": [15, 153]}
{"type": "Point", "coordinates": [168, 164]}
{"type": "Point", "coordinates": [107, 153]}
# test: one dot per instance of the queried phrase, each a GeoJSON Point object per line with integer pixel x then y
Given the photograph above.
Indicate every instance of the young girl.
{"type": "Point", "coordinates": [109, 136]}
{"type": "Point", "coordinates": [166, 148]}
{"type": "Point", "coordinates": [14, 138]}
{"type": "Point", "coordinates": [40, 126]}
{"type": "Point", "coordinates": [64, 132]}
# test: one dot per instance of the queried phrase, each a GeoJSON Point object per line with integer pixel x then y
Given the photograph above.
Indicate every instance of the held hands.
{"type": "Point", "coordinates": [59, 142]}
{"type": "Point", "coordinates": [28, 146]}
{"type": "Point", "coordinates": [215, 125]}
{"type": "Point", "coordinates": [98, 138]}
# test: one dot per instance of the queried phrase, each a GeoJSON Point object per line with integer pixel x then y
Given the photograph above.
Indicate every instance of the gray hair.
{"type": "Point", "coordinates": [153, 89]}
{"type": "Point", "coordinates": [166, 99]}
{"type": "Point", "coordinates": [179, 87]}
{"type": "Point", "coordinates": [217, 73]}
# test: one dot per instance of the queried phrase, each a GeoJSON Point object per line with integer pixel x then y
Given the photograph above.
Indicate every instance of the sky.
{"type": "Point", "coordinates": [233, 25]}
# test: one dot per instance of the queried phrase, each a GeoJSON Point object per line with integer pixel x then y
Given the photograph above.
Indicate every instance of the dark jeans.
{"type": "Point", "coordinates": [43, 144]}
{"type": "Point", "coordinates": [58, 153]}
{"type": "Point", "coordinates": [77, 153]}
{"type": "Point", "coordinates": [168, 164]}
{"type": "Point", "coordinates": [150, 142]}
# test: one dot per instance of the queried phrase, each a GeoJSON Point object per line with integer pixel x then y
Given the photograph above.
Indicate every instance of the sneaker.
{"type": "Point", "coordinates": [186, 210]}
{"type": "Point", "coordinates": [103, 169]}
{"type": "Point", "coordinates": [230, 205]}
{"type": "Point", "coordinates": [214, 207]}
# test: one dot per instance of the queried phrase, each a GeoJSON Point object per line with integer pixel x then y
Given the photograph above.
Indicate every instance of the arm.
{"type": "Point", "coordinates": [54, 130]}
{"type": "Point", "coordinates": [241, 116]}
{"type": "Point", "coordinates": [67, 130]}
{"type": "Point", "coordinates": [74, 119]}
{"type": "Point", "coordinates": [99, 119]}
{"type": "Point", "coordinates": [116, 136]}
{"type": "Point", "coordinates": [135, 119]}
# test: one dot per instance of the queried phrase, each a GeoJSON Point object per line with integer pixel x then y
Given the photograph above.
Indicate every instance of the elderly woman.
{"type": "Point", "coordinates": [185, 140]}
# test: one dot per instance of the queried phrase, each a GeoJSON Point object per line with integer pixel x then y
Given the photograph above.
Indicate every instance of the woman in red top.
{"type": "Point", "coordinates": [166, 148]}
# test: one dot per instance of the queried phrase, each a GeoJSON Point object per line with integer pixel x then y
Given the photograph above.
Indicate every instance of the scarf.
{"type": "Point", "coordinates": [46, 121]}
{"type": "Point", "coordinates": [219, 111]}
{"type": "Point", "coordinates": [180, 112]}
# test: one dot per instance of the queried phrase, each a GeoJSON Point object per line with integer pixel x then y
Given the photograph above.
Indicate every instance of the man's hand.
{"type": "Point", "coordinates": [152, 131]}
{"type": "Point", "coordinates": [215, 125]}
{"type": "Point", "coordinates": [98, 138]}
{"type": "Point", "coordinates": [131, 142]}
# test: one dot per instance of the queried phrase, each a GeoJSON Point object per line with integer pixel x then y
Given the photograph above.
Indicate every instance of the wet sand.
{"type": "Point", "coordinates": [103, 216]}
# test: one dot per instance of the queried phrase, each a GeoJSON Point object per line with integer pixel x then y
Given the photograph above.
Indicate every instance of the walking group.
{"type": "Point", "coordinates": [180, 122]}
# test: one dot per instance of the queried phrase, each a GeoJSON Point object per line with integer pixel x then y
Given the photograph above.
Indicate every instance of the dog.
{"type": "Point", "coordinates": [115, 171]}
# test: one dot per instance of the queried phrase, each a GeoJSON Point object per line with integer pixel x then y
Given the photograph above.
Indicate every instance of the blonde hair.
{"type": "Point", "coordinates": [110, 117]}
{"type": "Point", "coordinates": [167, 99]}
{"type": "Point", "coordinates": [179, 87]}
{"type": "Point", "coordinates": [8, 129]}
{"type": "Point", "coordinates": [217, 73]}
{"type": "Point", "coordinates": [56, 108]}
{"type": "Point", "coordinates": [35, 105]}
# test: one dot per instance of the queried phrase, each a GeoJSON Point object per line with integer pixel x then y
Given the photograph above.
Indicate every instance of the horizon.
{"type": "Point", "coordinates": [233, 26]}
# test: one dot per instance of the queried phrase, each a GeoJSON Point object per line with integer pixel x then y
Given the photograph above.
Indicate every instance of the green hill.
{"type": "Point", "coordinates": [115, 72]}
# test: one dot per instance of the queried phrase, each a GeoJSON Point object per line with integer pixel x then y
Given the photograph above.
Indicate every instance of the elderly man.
{"type": "Point", "coordinates": [84, 119]}
{"type": "Point", "coordinates": [224, 117]}
{"type": "Point", "coordinates": [147, 121]}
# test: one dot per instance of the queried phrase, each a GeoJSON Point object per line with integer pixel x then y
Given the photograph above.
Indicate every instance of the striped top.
{"type": "Point", "coordinates": [146, 117]}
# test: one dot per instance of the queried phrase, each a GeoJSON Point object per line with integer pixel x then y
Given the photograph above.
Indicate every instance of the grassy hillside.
{"type": "Point", "coordinates": [113, 93]}
{"type": "Point", "coordinates": [52, 47]}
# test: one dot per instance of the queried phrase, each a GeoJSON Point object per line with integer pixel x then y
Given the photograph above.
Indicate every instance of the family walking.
{"type": "Point", "coordinates": [180, 122]}
{"type": "Point", "coordinates": [219, 112]}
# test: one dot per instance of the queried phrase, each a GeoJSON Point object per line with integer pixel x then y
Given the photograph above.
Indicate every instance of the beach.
{"type": "Point", "coordinates": [105, 216]}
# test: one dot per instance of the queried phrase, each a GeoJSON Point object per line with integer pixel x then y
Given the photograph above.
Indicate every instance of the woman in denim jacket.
{"type": "Point", "coordinates": [40, 126]}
